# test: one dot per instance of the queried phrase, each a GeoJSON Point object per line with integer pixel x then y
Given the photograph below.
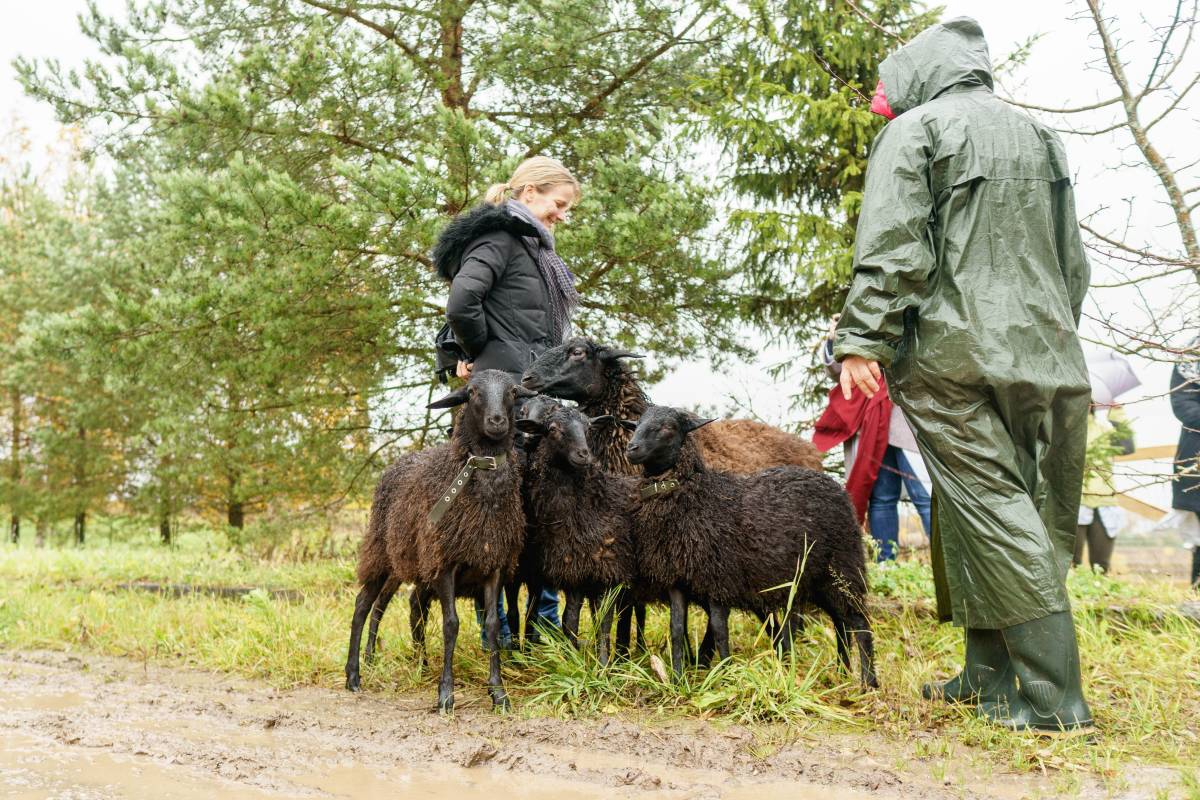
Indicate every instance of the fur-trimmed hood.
{"type": "Point", "coordinates": [466, 228]}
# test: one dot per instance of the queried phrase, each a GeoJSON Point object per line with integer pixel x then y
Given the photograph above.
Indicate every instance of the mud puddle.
{"type": "Point", "coordinates": [94, 728]}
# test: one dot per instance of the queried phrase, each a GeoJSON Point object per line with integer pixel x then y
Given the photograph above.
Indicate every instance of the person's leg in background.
{"type": "Point", "coordinates": [1081, 533]}
{"type": "Point", "coordinates": [1100, 545]}
{"type": "Point", "coordinates": [547, 610]}
{"type": "Point", "coordinates": [882, 514]}
{"type": "Point", "coordinates": [916, 490]}
{"type": "Point", "coordinates": [1196, 566]}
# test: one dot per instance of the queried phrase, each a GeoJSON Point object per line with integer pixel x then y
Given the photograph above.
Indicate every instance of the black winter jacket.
{"type": "Point", "coordinates": [499, 306]}
{"type": "Point", "coordinates": [1185, 402]}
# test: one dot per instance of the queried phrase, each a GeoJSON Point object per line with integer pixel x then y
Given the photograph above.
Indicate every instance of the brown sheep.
{"type": "Point", "coordinates": [474, 544]}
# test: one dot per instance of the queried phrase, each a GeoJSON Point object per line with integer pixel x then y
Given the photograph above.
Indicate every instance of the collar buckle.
{"type": "Point", "coordinates": [484, 462]}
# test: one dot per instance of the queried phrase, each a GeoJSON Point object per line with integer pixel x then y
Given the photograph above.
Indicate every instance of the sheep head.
{"type": "Point", "coordinates": [490, 397]}
{"type": "Point", "coordinates": [575, 370]}
{"type": "Point", "coordinates": [564, 435]}
{"type": "Point", "coordinates": [658, 437]}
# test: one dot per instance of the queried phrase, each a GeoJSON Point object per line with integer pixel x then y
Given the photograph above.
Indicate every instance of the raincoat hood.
{"type": "Point", "coordinates": [949, 54]}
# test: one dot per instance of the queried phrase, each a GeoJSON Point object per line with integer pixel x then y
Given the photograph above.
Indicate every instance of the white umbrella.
{"type": "Point", "coordinates": [1111, 376]}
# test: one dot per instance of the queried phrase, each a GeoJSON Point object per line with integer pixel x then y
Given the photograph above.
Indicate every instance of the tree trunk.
{"type": "Point", "coordinates": [164, 528]}
{"type": "Point", "coordinates": [237, 515]}
{"type": "Point", "coordinates": [80, 479]}
{"type": "Point", "coordinates": [39, 536]}
{"type": "Point", "coordinates": [15, 475]}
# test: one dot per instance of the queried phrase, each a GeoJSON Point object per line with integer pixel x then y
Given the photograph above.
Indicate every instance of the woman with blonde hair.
{"type": "Point", "coordinates": [511, 296]}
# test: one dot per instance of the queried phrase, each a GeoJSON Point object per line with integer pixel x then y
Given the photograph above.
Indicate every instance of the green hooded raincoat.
{"type": "Point", "coordinates": [969, 274]}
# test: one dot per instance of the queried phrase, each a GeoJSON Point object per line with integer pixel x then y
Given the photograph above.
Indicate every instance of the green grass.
{"type": "Point", "coordinates": [1141, 661]}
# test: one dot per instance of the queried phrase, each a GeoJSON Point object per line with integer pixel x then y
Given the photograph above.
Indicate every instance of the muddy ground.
{"type": "Point", "coordinates": [85, 727]}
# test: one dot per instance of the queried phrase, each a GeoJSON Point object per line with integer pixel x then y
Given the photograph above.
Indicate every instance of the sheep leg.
{"type": "Point", "coordinates": [445, 593]}
{"type": "Point", "coordinates": [570, 619]}
{"type": "Point", "coordinates": [787, 634]}
{"type": "Point", "coordinates": [491, 591]}
{"type": "Point", "coordinates": [866, 648]}
{"type": "Point", "coordinates": [624, 621]}
{"type": "Point", "coordinates": [603, 629]}
{"type": "Point", "coordinates": [377, 611]}
{"type": "Point", "coordinates": [639, 610]}
{"type": "Point", "coordinates": [678, 630]}
{"type": "Point", "coordinates": [362, 608]}
{"type": "Point", "coordinates": [418, 613]}
{"type": "Point", "coordinates": [512, 609]}
{"type": "Point", "coordinates": [840, 628]}
{"type": "Point", "coordinates": [704, 653]}
{"type": "Point", "coordinates": [718, 629]}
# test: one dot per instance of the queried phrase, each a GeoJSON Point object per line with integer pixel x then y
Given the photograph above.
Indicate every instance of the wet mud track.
{"type": "Point", "coordinates": [89, 727]}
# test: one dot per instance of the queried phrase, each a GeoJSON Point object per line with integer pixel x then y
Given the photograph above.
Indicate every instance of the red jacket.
{"type": "Point", "coordinates": [869, 419]}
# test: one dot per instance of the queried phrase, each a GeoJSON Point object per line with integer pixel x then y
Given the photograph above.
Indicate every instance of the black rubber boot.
{"type": "Point", "coordinates": [1045, 657]}
{"type": "Point", "coordinates": [987, 676]}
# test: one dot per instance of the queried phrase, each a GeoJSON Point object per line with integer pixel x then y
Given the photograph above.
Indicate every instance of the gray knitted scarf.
{"type": "Point", "coordinates": [1190, 368]}
{"type": "Point", "coordinates": [560, 283]}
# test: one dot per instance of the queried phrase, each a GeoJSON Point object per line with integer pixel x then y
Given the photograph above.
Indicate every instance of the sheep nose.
{"type": "Point", "coordinates": [495, 420]}
{"type": "Point", "coordinates": [583, 455]}
{"type": "Point", "coordinates": [632, 447]}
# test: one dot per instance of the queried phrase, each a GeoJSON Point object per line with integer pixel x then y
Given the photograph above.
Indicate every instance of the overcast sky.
{"type": "Point", "coordinates": [1057, 73]}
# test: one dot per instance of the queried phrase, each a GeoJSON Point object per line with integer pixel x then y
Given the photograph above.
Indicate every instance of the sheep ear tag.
{"type": "Point", "coordinates": [459, 484]}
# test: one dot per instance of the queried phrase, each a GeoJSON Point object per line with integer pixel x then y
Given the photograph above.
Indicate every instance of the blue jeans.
{"type": "Point", "coordinates": [547, 613]}
{"type": "Point", "coordinates": [882, 512]}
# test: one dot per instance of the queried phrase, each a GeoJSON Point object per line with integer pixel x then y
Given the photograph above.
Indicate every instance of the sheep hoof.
{"type": "Point", "coordinates": [500, 701]}
{"type": "Point", "coordinates": [354, 682]}
{"type": "Point", "coordinates": [445, 704]}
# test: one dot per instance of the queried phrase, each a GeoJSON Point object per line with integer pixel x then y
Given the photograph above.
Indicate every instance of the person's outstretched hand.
{"type": "Point", "coordinates": [858, 371]}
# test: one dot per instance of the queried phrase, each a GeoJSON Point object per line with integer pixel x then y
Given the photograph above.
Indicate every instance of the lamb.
{"type": "Point", "coordinates": [578, 519]}
{"type": "Point", "coordinates": [732, 541]}
{"type": "Point", "coordinates": [597, 378]}
{"type": "Point", "coordinates": [453, 524]}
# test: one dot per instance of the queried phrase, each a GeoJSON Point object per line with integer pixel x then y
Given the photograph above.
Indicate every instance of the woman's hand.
{"type": "Point", "coordinates": [858, 371]}
{"type": "Point", "coordinates": [464, 370]}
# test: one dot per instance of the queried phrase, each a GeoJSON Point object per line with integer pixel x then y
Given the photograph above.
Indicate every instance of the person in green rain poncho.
{"type": "Point", "coordinates": [969, 275]}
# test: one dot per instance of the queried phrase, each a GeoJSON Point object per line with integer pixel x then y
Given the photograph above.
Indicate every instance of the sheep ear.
{"type": "Point", "coordinates": [530, 426]}
{"type": "Point", "coordinates": [694, 422]}
{"type": "Point", "coordinates": [523, 392]}
{"type": "Point", "coordinates": [602, 418]}
{"type": "Point", "coordinates": [612, 354]}
{"type": "Point", "coordinates": [455, 398]}
{"type": "Point", "coordinates": [628, 424]}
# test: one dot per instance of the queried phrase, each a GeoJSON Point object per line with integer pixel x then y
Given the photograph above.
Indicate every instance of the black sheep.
{"type": "Point", "coordinates": [733, 541]}
{"type": "Point", "coordinates": [450, 530]}
{"type": "Point", "coordinates": [529, 413]}
{"type": "Point", "coordinates": [578, 519]}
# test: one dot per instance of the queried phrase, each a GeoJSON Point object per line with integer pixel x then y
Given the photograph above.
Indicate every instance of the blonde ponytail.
{"type": "Point", "coordinates": [497, 193]}
{"type": "Point", "coordinates": [541, 172]}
